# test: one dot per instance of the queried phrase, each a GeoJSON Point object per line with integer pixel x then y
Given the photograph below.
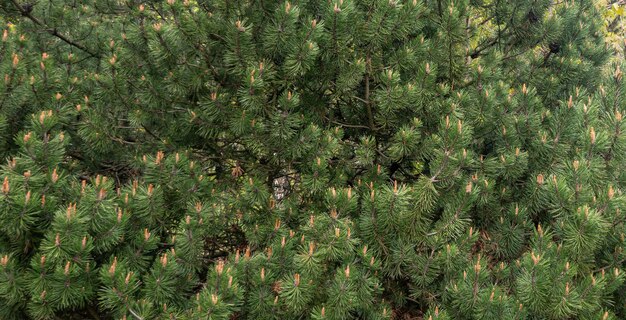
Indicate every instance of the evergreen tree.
{"type": "Point", "coordinates": [310, 159]}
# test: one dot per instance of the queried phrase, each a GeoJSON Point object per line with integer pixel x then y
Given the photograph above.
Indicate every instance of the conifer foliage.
{"type": "Point", "coordinates": [310, 159]}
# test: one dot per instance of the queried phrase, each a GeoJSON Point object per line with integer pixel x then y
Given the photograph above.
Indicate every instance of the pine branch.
{"type": "Point", "coordinates": [26, 12]}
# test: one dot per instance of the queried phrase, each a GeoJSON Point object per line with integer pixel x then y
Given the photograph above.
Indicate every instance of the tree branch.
{"type": "Point", "coordinates": [52, 31]}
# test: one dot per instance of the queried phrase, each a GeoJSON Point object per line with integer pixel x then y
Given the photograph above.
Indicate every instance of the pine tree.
{"type": "Point", "coordinates": [310, 159]}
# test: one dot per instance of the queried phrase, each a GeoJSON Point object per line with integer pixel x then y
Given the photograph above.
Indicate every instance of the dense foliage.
{"type": "Point", "coordinates": [310, 159]}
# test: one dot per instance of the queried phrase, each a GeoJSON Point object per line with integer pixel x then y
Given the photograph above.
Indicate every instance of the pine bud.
{"type": "Point", "coordinates": [347, 271]}
{"type": "Point", "coordinates": [246, 255]}
{"type": "Point", "coordinates": [477, 266]}
{"type": "Point", "coordinates": [240, 26]}
{"type": "Point", "coordinates": [219, 267]}
{"type": "Point", "coordinates": [540, 179]}
{"type": "Point", "coordinates": [5, 186]}
{"type": "Point", "coordinates": [535, 258]}
{"type": "Point", "coordinates": [524, 89]}
{"type": "Point", "coordinates": [16, 60]}
{"type": "Point", "coordinates": [127, 279]}
{"type": "Point", "coordinates": [570, 103]}
{"type": "Point", "coordinates": [263, 274]}
{"type": "Point", "coordinates": [67, 268]}
{"type": "Point", "coordinates": [296, 279]}
{"type": "Point", "coordinates": [101, 194]}
{"type": "Point", "coordinates": [592, 135]}
{"type": "Point", "coordinates": [5, 35]}
{"type": "Point", "coordinates": [4, 260]}
{"type": "Point", "coordinates": [333, 213]}
{"type": "Point", "coordinates": [54, 176]}
{"type": "Point", "coordinates": [468, 187]}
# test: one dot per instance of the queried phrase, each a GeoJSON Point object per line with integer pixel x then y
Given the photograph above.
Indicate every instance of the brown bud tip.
{"type": "Point", "coordinates": [468, 187]}
{"type": "Point", "coordinates": [16, 60]}
{"type": "Point", "coordinates": [540, 179]}
{"type": "Point", "coordinates": [240, 26]}
{"type": "Point", "coordinates": [113, 266]}
{"type": "Point", "coordinates": [5, 185]}
{"type": "Point", "coordinates": [66, 271]}
{"type": "Point", "coordinates": [4, 260]}
{"type": "Point", "coordinates": [592, 135]}
{"type": "Point", "coordinates": [219, 267]}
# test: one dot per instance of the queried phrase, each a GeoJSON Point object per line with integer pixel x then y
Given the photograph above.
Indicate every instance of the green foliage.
{"type": "Point", "coordinates": [343, 159]}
